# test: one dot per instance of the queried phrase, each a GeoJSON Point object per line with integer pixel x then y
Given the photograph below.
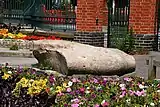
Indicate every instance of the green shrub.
{"type": "Point", "coordinates": [124, 41]}
{"type": "Point", "coordinates": [14, 47]}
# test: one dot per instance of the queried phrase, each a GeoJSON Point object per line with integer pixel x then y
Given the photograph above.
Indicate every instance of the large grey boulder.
{"type": "Point", "coordinates": [86, 59]}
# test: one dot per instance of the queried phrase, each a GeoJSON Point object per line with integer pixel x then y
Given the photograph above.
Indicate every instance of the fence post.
{"type": "Point", "coordinates": [109, 18]}
{"type": "Point", "coordinates": [156, 24]}
{"type": "Point", "coordinates": [1, 10]}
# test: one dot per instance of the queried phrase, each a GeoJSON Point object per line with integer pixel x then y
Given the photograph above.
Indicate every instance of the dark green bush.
{"type": "Point", "coordinates": [14, 47]}
{"type": "Point", "coordinates": [124, 41]}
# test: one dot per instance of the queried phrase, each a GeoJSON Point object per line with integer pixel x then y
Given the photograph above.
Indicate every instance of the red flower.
{"type": "Point", "coordinates": [33, 37]}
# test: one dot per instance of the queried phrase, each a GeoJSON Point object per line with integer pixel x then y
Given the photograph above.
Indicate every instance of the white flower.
{"type": "Point", "coordinates": [76, 100]}
{"type": "Point", "coordinates": [128, 100]}
{"type": "Point", "coordinates": [158, 91]}
{"type": "Point", "coordinates": [122, 85]}
{"type": "Point", "coordinates": [87, 92]}
{"type": "Point", "coordinates": [145, 106]}
{"type": "Point", "coordinates": [141, 86]}
{"type": "Point", "coordinates": [51, 88]}
{"type": "Point", "coordinates": [70, 83]}
{"type": "Point", "coordinates": [87, 88]}
{"type": "Point", "coordinates": [103, 102]}
{"type": "Point", "coordinates": [121, 96]}
{"type": "Point", "coordinates": [145, 86]}
{"type": "Point", "coordinates": [104, 79]}
{"type": "Point", "coordinates": [99, 87]}
{"type": "Point", "coordinates": [152, 104]}
{"type": "Point", "coordinates": [31, 80]}
{"type": "Point", "coordinates": [9, 72]}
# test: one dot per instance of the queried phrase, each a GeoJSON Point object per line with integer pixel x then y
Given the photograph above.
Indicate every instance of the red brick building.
{"type": "Point", "coordinates": [92, 19]}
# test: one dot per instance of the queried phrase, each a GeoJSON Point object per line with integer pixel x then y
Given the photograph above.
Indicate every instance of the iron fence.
{"type": "Point", "coordinates": [118, 20]}
{"type": "Point", "coordinates": [46, 14]}
{"type": "Point", "coordinates": [157, 26]}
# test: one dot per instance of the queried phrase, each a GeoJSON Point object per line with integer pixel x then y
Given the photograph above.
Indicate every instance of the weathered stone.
{"type": "Point", "coordinates": [86, 59]}
{"type": "Point", "coordinates": [51, 59]}
{"type": "Point", "coordinates": [49, 72]}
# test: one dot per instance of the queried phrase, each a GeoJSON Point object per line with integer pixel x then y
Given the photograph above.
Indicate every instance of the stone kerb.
{"type": "Point", "coordinates": [22, 44]}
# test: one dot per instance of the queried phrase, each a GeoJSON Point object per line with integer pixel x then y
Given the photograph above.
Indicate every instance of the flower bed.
{"type": "Point", "coordinates": [26, 86]}
{"type": "Point", "coordinates": [4, 34]}
{"type": "Point", "coordinates": [21, 40]}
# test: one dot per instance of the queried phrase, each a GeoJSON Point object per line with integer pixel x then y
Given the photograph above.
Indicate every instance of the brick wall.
{"type": "Point", "coordinates": [142, 16]}
{"type": "Point", "coordinates": [87, 13]}
{"type": "Point", "coordinates": [145, 41]}
{"type": "Point", "coordinates": [91, 16]}
{"type": "Point", "coordinates": [90, 38]}
{"type": "Point", "coordinates": [142, 20]}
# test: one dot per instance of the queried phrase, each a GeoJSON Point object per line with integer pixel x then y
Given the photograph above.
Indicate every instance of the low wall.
{"type": "Point", "coordinates": [22, 44]}
{"type": "Point", "coordinates": [90, 38]}
{"type": "Point", "coordinates": [145, 41]}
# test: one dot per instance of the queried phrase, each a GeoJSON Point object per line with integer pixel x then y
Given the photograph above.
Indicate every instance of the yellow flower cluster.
{"type": "Point", "coordinates": [64, 86]}
{"type": "Point", "coordinates": [34, 86]}
{"type": "Point", "coordinates": [24, 82]}
{"type": "Point", "coordinates": [37, 86]}
{"type": "Point", "coordinates": [4, 33]}
{"type": "Point", "coordinates": [6, 76]}
{"type": "Point", "coordinates": [17, 36]}
{"type": "Point", "coordinates": [59, 89]}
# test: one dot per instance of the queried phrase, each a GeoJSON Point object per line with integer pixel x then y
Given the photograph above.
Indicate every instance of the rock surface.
{"type": "Point", "coordinates": [86, 59]}
{"type": "Point", "coordinates": [52, 60]}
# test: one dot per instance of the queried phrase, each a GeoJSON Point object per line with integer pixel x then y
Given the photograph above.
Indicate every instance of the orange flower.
{"type": "Point", "coordinates": [3, 31]}
{"type": "Point", "coordinates": [47, 89]}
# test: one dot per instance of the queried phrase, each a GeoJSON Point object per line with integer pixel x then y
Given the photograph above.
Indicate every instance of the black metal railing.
{"type": "Point", "coordinates": [157, 26]}
{"type": "Point", "coordinates": [118, 19]}
{"type": "Point", "coordinates": [46, 14]}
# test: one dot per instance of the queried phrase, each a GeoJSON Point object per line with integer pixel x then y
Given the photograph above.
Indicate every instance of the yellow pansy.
{"type": "Point", "coordinates": [42, 83]}
{"type": "Point", "coordinates": [20, 35]}
{"type": "Point", "coordinates": [65, 85]}
{"type": "Point", "coordinates": [32, 91]}
{"type": "Point", "coordinates": [11, 35]}
{"type": "Point", "coordinates": [37, 86]}
{"type": "Point", "coordinates": [58, 89]}
{"type": "Point", "coordinates": [24, 82]}
{"type": "Point", "coordinates": [34, 86]}
{"type": "Point", "coordinates": [6, 76]}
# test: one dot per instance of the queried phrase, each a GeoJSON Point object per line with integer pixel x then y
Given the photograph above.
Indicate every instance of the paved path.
{"type": "Point", "coordinates": [18, 61]}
